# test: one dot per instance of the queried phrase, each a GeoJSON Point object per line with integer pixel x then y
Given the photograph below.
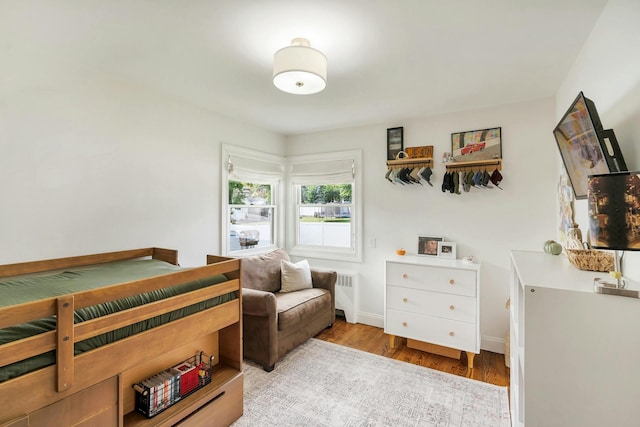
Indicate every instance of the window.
{"type": "Point", "coordinates": [252, 201]}
{"type": "Point", "coordinates": [325, 219]}
{"type": "Point", "coordinates": [251, 215]}
{"type": "Point", "coordinates": [324, 213]}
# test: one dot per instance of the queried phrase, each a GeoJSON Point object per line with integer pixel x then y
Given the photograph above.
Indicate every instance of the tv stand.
{"type": "Point", "coordinates": [572, 350]}
{"type": "Point", "coordinates": [613, 154]}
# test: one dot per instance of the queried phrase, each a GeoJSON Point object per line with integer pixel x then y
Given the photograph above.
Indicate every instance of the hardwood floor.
{"type": "Point", "coordinates": [488, 367]}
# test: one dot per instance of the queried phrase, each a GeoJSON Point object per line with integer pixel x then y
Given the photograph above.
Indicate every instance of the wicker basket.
{"type": "Point", "coordinates": [589, 259]}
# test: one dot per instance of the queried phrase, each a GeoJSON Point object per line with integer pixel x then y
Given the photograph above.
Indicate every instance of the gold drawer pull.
{"type": "Point", "coordinates": [404, 323]}
{"type": "Point", "coordinates": [452, 307]}
{"type": "Point", "coordinates": [404, 300]}
{"type": "Point", "coordinates": [452, 282]}
{"type": "Point", "coordinates": [451, 334]}
{"type": "Point", "coordinates": [405, 275]}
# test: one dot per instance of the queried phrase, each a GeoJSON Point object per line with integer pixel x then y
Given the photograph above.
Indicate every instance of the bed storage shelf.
{"type": "Point", "coordinates": [94, 387]}
{"type": "Point", "coordinates": [225, 386]}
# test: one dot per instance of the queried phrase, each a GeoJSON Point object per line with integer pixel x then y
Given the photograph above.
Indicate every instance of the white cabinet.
{"type": "Point", "coordinates": [573, 352]}
{"type": "Point", "coordinates": [434, 301]}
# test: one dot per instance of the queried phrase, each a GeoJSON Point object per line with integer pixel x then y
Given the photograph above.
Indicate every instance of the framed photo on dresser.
{"type": "Point", "coordinates": [447, 250]}
{"type": "Point", "coordinates": [428, 245]}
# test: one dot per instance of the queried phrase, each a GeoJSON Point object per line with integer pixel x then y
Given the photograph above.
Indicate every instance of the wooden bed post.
{"type": "Point", "coordinates": [65, 339]}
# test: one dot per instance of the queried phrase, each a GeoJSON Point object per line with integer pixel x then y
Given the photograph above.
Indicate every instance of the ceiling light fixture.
{"type": "Point", "coordinates": [300, 69]}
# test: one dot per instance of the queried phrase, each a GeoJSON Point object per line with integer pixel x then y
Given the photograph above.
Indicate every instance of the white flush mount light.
{"type": "Point", "coordinates": [300, 69]}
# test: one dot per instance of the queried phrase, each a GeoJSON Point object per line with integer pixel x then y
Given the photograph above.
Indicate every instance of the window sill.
{"type": "Point", "coordinates": [336, 254]}
{"type": "Point", "coordinates": [253, 251]}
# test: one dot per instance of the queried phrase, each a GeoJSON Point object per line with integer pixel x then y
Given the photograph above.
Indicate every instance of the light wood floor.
{"type": "Point", "coordinates": [488, 367]}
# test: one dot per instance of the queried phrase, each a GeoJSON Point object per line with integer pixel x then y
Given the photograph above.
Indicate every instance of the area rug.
{"type": "Point", "coordinates": [328, 385]}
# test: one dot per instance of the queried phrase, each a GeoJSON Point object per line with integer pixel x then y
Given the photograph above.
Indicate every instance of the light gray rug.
{"type": "Point", "coordinates": [325, 384]}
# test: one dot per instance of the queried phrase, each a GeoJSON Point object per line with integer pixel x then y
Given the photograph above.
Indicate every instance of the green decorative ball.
{"type": "Point", "coordinates": [552, 247]}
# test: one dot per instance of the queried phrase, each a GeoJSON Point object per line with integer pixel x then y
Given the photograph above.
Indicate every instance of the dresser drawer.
{"type": "Point", "coordinates": [435, 330]}
{"type": "Point", "coordinates": [439, 279]}
{"type": "Point", "coordinates": [448, 306]}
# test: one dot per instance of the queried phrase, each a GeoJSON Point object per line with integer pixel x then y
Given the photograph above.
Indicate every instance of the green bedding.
{"type": "Point", "coordinates": [28, 289]}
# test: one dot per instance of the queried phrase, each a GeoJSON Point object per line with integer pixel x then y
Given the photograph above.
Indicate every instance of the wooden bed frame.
{"type": "Point", "coordinates": [95, 387]}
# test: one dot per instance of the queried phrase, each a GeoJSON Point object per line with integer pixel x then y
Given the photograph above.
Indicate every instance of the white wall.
{"type": "Point", "coordinates": [608, 72]}
{"type": "Point", "coordinates": [99, 165]}
{"type": "Point", "coordinates": [485, 223]}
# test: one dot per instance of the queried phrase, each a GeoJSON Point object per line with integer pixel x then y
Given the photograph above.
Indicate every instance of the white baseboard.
{"type": "Point", "coordinates": [493, 344]}
{"type": "Point", "coordinates": [370, 319]}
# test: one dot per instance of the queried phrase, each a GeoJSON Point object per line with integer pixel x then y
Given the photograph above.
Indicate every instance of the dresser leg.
{"type": "Point", "coordinates": [392, 341]}
{"type": "Point", "coordinates": [470, 357]}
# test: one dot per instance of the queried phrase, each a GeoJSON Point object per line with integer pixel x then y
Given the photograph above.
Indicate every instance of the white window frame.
{"type": "Point", "coordinates": [256, 175]}
{"type": "Point", "coordinates": [353, 254]}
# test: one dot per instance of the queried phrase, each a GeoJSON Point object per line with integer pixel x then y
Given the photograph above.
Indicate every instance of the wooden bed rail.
{"type": "Point", "coordinates": [235, 264]}
{"type": "Point", "coordinates": [167, 255]}
{"type": "Point", "coordinates": [25, 312]}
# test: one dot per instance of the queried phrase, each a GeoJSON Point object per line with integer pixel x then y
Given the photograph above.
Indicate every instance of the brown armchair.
{"type": "Point", "coordinates": [275, 322]}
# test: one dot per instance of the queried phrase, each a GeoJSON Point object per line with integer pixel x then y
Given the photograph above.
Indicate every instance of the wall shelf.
{"type": "Point", "coordinates": [474, 164]}
{"type": "Point", "coordinates": [420, 161]}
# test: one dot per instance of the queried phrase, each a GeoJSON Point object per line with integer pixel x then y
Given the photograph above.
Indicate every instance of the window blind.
{"type": "Point", "coordinates": [340, 171]}
{"type": "Point", "coordinates": [247, 169]}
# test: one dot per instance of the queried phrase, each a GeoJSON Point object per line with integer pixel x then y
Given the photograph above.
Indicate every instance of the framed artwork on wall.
{"type": "Point", "coordinates": [428, 245]}
{"type": "Point", "coordinates": [483, 144]}
{"type": "Point", "coordinates": [395, 143]}
{"type": "Point", "coordinates": [447, 250]}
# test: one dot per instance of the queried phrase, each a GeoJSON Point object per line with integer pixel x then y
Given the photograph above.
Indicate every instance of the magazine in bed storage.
{"type": "Point", "coordinates": [27, 289]}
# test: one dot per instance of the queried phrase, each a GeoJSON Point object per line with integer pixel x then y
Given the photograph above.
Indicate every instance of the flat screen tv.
{"type": "Point", "coordinates": [586, 148]}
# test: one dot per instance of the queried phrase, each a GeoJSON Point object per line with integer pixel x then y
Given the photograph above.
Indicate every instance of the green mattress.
{"type": "Point", "coordinates": [33, 288]}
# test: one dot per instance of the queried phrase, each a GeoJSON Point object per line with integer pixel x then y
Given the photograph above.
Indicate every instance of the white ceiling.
{"type": "Point", "coordinates": [388, 59]}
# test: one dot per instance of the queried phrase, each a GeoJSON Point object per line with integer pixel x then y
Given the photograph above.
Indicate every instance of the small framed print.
{"type": "Point", "coordinates": [447, 250]}
{"type": "Point", "coordinates": [428, 245]}
{"type": "Point", "coordinates": [395, 143]}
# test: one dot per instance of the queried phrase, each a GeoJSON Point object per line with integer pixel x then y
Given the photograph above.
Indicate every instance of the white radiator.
{"type": "Point", "coordinates": [346, 295]}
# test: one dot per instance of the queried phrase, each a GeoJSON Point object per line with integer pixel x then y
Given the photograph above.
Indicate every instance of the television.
{"type": "Point", "coordinates": [585, 146]}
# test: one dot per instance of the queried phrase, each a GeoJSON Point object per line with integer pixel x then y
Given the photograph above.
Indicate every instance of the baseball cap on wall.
{"type": "Point", "coordinates": [496, 178]}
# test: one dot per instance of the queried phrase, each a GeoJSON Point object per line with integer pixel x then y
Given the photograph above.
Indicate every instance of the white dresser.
{"type": "Point", "coordinates": [574, 353]}
{"type": "Point", "coordinates": [435, 301]}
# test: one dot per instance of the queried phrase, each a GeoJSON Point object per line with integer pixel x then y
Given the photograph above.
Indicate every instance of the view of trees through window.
{"type": "Point", "coordinates": [251, 215]}
{"type": "Point", "coordinates": [340, 193]}
{"type": "Point", "coordinates": [244, 193]}
{"type": "Point", "coordinates": [324, 213]}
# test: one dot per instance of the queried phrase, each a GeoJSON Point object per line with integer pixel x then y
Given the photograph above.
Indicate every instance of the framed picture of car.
{"type": "Point", "coordinates": [483, 144]}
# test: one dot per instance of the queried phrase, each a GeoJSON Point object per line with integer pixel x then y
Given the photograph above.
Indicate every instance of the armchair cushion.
{"type": "Point", "coordinates": [294, 308]}
{"type": "Point", "coordinates": [262, 272]}
{"type": "Point", "coordinates": [295, 277]}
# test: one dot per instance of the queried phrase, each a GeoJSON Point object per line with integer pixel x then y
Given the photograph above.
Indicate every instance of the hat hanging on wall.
{"type": "Point", "coordinates": [496, 178]}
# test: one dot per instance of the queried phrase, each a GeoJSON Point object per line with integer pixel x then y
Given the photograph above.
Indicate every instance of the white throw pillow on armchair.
{"type": "Point", "coordinates": [295, 276]}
